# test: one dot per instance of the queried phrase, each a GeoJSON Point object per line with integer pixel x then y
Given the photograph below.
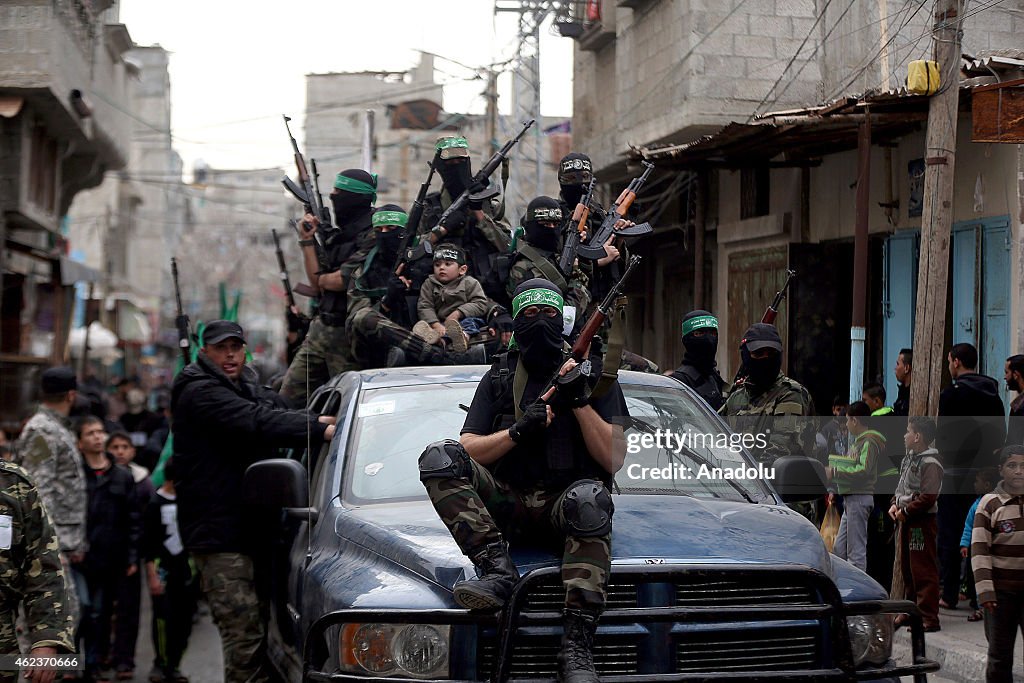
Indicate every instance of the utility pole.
{"type": "Point", "coordinates": [858, 326]}
{"type": "Point", "coordinates": [937, 213]}
{"type": "Point", "coordinates": [492, 110]}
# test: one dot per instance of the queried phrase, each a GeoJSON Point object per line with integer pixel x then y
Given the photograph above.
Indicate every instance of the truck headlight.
{"type": "Point", "coordinates": [870, 638]}
{"type": "Point", "coordinates": [409, 651]}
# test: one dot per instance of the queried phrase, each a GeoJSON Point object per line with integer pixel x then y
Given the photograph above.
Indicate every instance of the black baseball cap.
{"type": "Point", "coordinates": [58, 380]}
{"type": "Point", "coordinates": [760, 336]}
{"type": "Point", "coordinates": [219, 330]}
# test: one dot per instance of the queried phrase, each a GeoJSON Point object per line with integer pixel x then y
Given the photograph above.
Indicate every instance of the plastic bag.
{"type": "Point", "coordinates": [830, 526]}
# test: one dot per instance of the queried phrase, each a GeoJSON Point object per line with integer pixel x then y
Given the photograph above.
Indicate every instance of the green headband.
{"type": "Point", "coordinates": [343, 182]}
{"type": "Point", "coordinates": [536, 297]}
{"type": "Point", "coordinates": [699, 322]}
{"type": "Point", "coordinates": [451, 143]}
{"type": "Point", "coordinates": [399, 218]}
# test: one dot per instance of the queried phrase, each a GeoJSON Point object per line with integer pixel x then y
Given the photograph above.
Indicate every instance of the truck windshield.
{"type": "Point", "coordinates": [392, 425]}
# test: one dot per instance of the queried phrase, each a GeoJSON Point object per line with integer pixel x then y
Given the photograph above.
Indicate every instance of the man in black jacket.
{"type": "Point", "coordinates": [698, 370]}
{"type": "Point", "coordinates": [971, 429]}
{"type": "Point", "coordinates": [223, 422]}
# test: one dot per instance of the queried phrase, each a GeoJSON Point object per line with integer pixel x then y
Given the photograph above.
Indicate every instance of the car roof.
{"type": "Point", "coordinates": [453, 374]}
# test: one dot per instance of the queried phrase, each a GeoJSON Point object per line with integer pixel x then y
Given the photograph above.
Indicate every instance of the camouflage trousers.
{"type": "Point", "coordinates": [228, 583]}
{"type": "Point", "coordinates": [324, 354]}
{"type": "Point", "coordinates": [373, 334]}
{"type": "Point", "coordinates": [480, 509]}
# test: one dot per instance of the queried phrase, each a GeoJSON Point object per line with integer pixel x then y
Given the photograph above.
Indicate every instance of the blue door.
{"type": "Point", "coordinates": [995, 299]}
{"type": "Point", "coordinates": [981, 291]}
{"type": "Point", "coordinates": [898, 308]}
{"type": "Point", "coordinates": [964, 281]}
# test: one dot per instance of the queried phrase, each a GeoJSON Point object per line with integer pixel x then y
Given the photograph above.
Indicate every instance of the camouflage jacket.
{"type": "Point", "coordinates": [545, 264]}
{"type": "Point", "coordinates": [31, 573]}
{"type": "Point", "coordinates": [777, 414]}
{"type": "Point", "coordinates": [48, 452]}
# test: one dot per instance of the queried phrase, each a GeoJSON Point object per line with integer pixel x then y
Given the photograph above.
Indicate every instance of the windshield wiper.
{"type": "Point", "coordinates": [642, 426]}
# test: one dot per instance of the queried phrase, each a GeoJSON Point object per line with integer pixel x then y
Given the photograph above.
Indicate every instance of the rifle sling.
{"type": "Point", "coordinates": [518, 387]}
{"type": "Point", "coordinates": [613, 354]}
{"type": "Point", "coordinates": [548, 269]}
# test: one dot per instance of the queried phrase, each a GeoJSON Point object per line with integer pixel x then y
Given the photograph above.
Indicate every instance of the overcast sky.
{"type": "Point", "coordinates": [237, 66]}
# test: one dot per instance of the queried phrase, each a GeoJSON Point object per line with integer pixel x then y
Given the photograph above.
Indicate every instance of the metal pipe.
{"type": "Point", "coordinates": [698, 240]}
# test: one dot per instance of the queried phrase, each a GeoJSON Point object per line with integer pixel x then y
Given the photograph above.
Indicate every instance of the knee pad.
{"type": "Point", "coordinates": [588, 508]}
{"type": "Point", "coordinates": [445, 459]}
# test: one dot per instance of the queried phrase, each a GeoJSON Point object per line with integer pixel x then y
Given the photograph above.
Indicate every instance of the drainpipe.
{"type": "Point", "coordinates": [858, 330]}
{"type": "Point", "coordinates": [698, 239]}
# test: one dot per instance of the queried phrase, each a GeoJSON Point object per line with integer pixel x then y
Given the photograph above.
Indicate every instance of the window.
{"type": "Point", "coordinates": [755, 191]}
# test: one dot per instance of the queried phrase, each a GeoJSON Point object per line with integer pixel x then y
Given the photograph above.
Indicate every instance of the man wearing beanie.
{"type": "Point", "coordinates": [768, 402]}
{"type": "Point", "coordinates": [543, 459]}
{"type": "Point", "coordinates": [326, 350]}
{"type": "Point", "coordinates": [698, 370]}
{"type": "Point", "coordinates": [377, 306]}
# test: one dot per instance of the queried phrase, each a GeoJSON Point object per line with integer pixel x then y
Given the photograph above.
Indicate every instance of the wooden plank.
{"type": "Point", "coordinates": [998, 115]}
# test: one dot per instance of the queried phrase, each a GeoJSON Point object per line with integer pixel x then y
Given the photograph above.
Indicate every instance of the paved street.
{"type": "Point", "coordinates": [202, 662]}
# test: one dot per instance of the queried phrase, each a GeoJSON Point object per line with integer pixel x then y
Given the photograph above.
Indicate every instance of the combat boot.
{"type": "Point", "coordinates": [576, 660]}
{"type": "Point", "coordinates": [498, 576]}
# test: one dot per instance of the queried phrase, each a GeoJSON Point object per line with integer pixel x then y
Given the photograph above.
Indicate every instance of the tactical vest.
{"type": "Point", "coordinates": [548, 269]}
{"type": "Point", "coordinates": [708, 386]}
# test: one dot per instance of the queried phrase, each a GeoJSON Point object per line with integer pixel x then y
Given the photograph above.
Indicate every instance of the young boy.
{"type": "Point", "coordinates": [984, 481]}
{"type": "Point", "coordinates": [998, 565]}
{"type": "Point", "coordinates": [450, 295]}
{"type": "Point", "coordinates": [916, 570]}
{"type": "Point", "coordinates": [854, 475]}
{"type": "Point", "coordinates": [171, 585]}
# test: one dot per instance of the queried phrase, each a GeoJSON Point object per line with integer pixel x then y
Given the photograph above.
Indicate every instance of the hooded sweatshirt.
{"type": "Point", "coordinates": [970, 425]}
{"type": "Point", "coordinates": [920, 481]}
{"type": "Point", "coordinates": [857, 470]}
{"type": "Point", "coordinates": [997, 544]}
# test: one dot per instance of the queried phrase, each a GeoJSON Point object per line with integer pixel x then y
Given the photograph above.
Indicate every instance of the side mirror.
{"type": "Point", "coordinates": [799, 478]}
{"type": "Point", "coordinates": [278, 483]}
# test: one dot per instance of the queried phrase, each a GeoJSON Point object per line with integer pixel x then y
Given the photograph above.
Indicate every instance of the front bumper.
{"type": "Point", "coordinates": [829, 613]}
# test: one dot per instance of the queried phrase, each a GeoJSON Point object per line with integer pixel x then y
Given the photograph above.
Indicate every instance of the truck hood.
{"type": "Point", "coordinates": [670, 528]}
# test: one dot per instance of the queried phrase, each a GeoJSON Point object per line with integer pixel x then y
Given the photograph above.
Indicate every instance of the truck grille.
{"type": "Point", "coordinates": [722, 591]}
{"type": "Point", "coordinates": [549, 596]}
{"type": "Point", "coordinates": [779, 650]}
{"type": "Point", "coordinates": [536, 656]}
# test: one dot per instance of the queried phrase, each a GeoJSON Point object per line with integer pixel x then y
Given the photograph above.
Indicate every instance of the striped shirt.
{"type": "Point", "coordinates": [997, 544]}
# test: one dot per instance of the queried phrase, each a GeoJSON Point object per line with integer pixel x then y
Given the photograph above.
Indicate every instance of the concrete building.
{"type": "Point", "coordinates": [128, 226]}
{"type": "Point", "coordinates": [408, 119]}
{"type": "Point", "coordinates": [760, 195]}
{"type": "Point", "coordinates": [64, 122]}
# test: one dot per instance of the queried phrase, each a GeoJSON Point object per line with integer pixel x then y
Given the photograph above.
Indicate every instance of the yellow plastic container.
{"type": "Point", "coordinates": [923, 77]}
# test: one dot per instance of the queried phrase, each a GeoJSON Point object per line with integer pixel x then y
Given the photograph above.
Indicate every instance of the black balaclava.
{"type": "Point", "coordinates": [762, 371]}
{"type": "Point", "coordinates": [349, 206]}
{"type": "Point", "coordinates": [388, 242]}
{"type": "Point", "coordinates": [541, 236]}
{"type": "Point", "coordinates": [456, 173]}
{"type": "Point", "coordinates": [700, 351]}
{"type": "Point", "coordinates": [539, 338]}
{"type": "Point", "coordinates": [574, 173]}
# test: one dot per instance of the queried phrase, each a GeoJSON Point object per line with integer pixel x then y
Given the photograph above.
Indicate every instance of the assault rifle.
{"type": "Point", "coordinates": [480, 179]}
{"type": "Point", "coordinates": [283, 268]}
{"type": "Point", "coordinates": [594, 249]}
{"type": "Point", "coordinates": [309, 196]}
{"type": "Point", "coordinates": [772, 311]}
{"type": "Point", "coordinates": [579, 225]}
{"type": "Point", "coordinates": [581, 346]}
{"type": "Point", "coordinates": [181, 320]}
{"type": "Point", "coordinates": [415, 216]}
{"type": "Point", "coordinates": [770, 314]}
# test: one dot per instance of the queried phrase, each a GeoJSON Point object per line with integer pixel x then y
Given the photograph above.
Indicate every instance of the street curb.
{"type": "Point", "coordinates": [959, 663]}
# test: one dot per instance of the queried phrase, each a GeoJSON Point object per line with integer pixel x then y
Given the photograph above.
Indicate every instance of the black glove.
{"type": "Point", "coordinates": [533, 421]}
{"type": "Point", "coordinates": [573, 388]}
{"type": "Point", "coordinates": [396, 291]}
{"type": "Point", "coordinates": [456, 221]}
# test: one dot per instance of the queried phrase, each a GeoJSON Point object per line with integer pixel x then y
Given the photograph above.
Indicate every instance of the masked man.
{"type": "Point", "coordinates": [698, 371]}
{"type": "Point", "coordinates": [768, 402]}
{"type": "Point", "coordinates": [326, 349]}
{"type": "Point", "coordinates": [543, 460]}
